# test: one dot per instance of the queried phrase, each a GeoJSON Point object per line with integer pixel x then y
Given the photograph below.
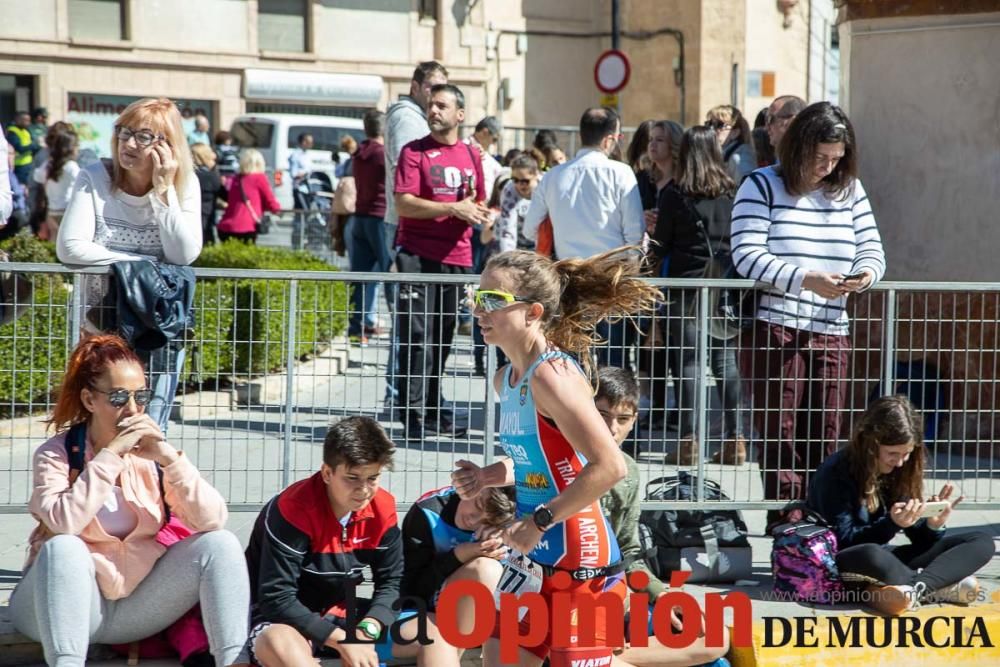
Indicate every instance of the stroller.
{"type": "Point", "coordinates": [310, 231]}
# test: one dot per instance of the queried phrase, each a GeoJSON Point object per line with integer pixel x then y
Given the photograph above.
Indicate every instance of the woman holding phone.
{"type": "Point", "coordinates": [805, 228]}
{"type": "Point", "coordinates": [871, 490]}
{"type": "Point", "coordinates": [143, 203]}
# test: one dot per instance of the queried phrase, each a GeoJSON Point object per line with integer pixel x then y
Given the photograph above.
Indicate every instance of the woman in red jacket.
{"type": "Point", "coordinates": [249, 196]}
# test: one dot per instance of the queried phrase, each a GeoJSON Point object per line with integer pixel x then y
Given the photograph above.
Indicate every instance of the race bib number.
{"type": "Point", "coordinates": [520, 575]}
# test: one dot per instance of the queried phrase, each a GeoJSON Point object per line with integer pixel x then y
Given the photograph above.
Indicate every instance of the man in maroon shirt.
{"type": "Point", "coordinates": [368, 241]}
{"type": "Point", "coordinates": [439, 195]}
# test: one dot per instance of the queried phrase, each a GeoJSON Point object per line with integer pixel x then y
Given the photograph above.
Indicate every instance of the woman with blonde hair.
{"type": "Point", "coordinates": [249, 196]}
{"type": "Point", "coordinates": [143, 203]}
{"type": "Point", "coordinates": [735, 139]}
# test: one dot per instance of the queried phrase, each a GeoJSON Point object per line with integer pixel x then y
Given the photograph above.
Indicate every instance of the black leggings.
{"type": "Point", "coordinates": [944, 562]}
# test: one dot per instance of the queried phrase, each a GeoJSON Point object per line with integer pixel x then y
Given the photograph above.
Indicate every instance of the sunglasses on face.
{"type": "Point", "coordinates": [521, 181]}
{"type": "Point", "coordinates": [491, 300]}
{"type": "Point", "coordinates": [143, 138]}
{"type": "Point", "coordinates": [119, 397]}
{"type": "Point", "coordinates": [718, 125]}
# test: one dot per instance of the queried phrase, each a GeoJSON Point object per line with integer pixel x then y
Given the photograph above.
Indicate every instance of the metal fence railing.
{"type": "Point", "coordinates": [269, 367]}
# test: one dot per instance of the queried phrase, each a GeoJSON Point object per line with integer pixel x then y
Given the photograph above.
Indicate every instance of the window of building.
{"type": "Point", "coordinates": [427, 9]}
{"type": "Point", "coordinates": [282, 25]}
{"type": "Point", "coordinates": [97, 20]}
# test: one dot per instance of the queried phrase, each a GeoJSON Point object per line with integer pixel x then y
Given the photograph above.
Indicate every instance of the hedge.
{"type": "Point", "coordinates": [243, 323]}
{"type": "Point", "coordinates": [33, 347]}
{"type": "Point", "coordinates": [240, 331]}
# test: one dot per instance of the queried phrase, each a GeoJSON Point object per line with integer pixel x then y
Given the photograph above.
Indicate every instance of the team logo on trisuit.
{"type": "Point", "coordinates": [536, 480]}
{"type": "Point", "coordinates": [523, 398]}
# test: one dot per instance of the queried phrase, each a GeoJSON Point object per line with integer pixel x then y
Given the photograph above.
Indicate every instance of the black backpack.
{"type": "Point", "coordinates": [711, 543]}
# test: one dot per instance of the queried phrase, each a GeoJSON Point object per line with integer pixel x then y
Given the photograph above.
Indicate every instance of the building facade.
{"type": "Point", "coordinates": [530, 62]}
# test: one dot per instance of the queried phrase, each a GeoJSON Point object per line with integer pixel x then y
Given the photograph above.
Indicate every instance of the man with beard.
{"type": "Point", "coordinates": [438, 195]}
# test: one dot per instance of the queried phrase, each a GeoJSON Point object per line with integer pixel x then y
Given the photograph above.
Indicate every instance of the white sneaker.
{"type": "Point", "coordinates": [964, 592]}
{"type": "Point", "coordinates": [893, 600]}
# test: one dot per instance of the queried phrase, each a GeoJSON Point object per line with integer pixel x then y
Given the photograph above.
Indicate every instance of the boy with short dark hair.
{"type": "Point", "coordinates": [617, 400]}
{"type": "Point", "coordinates": [306, 555]}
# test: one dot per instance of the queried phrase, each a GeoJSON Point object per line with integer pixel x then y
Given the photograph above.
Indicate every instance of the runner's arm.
{"type": "Point", "coordinates": [564, 395]}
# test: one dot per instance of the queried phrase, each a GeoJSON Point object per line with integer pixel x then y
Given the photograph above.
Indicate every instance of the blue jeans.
{"type": "Point", "coordinates": [367, 250]}
{"type": "Point", "coordinates": [164, 367]}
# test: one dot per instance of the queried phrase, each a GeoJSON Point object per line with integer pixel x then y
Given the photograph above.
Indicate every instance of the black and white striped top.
{"type": "Point", "coordinates": [777, 238]}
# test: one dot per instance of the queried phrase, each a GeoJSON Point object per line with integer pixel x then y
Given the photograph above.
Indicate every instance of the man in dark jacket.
{"type": "Point", "coordinates": [306, 556]}
{"type": "Point", "coordinates": [369, 242]}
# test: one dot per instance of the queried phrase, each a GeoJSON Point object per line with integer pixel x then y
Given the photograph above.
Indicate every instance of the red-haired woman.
{"type": "Point", "coordinates": [95, 571]}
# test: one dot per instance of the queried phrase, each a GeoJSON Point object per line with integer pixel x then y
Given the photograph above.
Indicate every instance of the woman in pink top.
{"type": "Point", "coordinates": [96, 572]}
{"type": "Point", "coordinates": [249, 197]}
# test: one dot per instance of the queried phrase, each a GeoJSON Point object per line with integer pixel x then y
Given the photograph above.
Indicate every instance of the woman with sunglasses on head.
{"type": "Point", "coordinates": [872, 490]}
{"type": "Point", "coordinates": [543, 314]}
{"type": "Point", "coordinates": [145, 203]}
{"type": "Point", "coordinates": [735, 139]}
{"type": "Point", "coordinates": [103, 485]}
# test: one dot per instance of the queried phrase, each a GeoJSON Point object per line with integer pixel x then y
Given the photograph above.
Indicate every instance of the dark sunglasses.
{"type": "Point", "coordinates": [119, 397]}
{"type": "Point", "coordinates": [521, 181]}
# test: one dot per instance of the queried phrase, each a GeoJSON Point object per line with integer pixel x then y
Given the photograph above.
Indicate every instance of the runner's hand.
{"type": "Point", "coordinates": [358, 655]}
{"type": "Point", "coordinates": [468, 479]}
{"type": "Point", "coordinates": [523, 535]}
{"type": "Point", "coordinates": [492, 548]}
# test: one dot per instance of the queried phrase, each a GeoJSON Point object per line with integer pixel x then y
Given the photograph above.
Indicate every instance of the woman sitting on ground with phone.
{"type": "Point", "coordinates": [871, 490]}
{"type": "Point", "coordinates": [103, 488]}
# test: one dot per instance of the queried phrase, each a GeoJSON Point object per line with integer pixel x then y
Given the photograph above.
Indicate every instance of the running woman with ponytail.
{"type": "Point", "coordinates": [561, 456]}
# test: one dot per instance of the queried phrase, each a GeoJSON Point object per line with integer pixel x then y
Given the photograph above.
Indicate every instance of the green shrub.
{"type": "Point", "coordinates": [33, 347]}
{"type": "Point", "coordinates": [243, 323]}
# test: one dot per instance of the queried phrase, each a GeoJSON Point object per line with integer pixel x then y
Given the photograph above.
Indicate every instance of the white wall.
{"type": "Point", "coordinates": [191, 25]}
{"type": "Point", "coordinates": [35, 19]}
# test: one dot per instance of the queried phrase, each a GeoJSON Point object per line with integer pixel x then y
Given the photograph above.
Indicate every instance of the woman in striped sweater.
{"type": "Point", "coordinates": [805, 228]}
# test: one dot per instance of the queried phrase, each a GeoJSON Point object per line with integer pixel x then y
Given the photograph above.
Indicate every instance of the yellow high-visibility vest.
{"type": "Point", "coordinates": [22, 158]}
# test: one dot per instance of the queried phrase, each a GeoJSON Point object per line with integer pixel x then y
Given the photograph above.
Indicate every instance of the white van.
{"type": "Point", "coordinates": [275, 135]}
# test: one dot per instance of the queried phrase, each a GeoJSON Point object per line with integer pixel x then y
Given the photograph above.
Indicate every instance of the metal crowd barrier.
{"type": "Point", "coordinates": [269, 366]}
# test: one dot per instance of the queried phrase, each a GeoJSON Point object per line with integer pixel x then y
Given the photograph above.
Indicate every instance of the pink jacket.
{"type": "Point", "coordinates": [237, 218]}
{"type": "Point", "coordinates": [65, 509]}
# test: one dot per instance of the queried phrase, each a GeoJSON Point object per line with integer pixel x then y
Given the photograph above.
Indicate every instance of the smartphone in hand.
{"type": "Point", "coordinates": [934, 508]}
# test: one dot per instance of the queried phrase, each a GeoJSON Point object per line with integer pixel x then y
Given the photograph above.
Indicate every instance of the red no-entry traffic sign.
{"type": "Point", "coordinates": [612, 70]}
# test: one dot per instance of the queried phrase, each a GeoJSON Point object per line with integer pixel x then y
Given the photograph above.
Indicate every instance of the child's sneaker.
{"type": "Point", "coordinates": [964, 592]}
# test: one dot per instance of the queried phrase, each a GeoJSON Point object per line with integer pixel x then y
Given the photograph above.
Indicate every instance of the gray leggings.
{"type": "Point", "coordinates": [59, 604]}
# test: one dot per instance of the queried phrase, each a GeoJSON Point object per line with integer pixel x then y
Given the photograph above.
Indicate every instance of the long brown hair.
{"type": "Point", "coordinates": [576, 294]}
{"type": "Point", "coordinates": [62, 148]}
{"type": "Point", "coordinates": [819, 123]}
{"type": "Point", "coordinates": [700, 171]}
{"type": "Point", "coordinates": [890, 420]}
{"type": "Point", "coordinates": [89, 360]}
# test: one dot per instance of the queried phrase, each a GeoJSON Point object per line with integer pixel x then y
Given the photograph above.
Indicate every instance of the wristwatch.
{"type": "Point", "coordinates": [542, 518]}
{"type": "Point", "coordinates": [371, 628]}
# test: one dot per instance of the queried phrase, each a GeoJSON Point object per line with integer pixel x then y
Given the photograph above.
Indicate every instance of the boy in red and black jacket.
{"type": "Point", "coordinates": [307, 552]}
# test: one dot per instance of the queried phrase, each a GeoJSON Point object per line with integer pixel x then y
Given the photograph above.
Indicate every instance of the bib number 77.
{"type": "Point", "coordinates": [520, 575]}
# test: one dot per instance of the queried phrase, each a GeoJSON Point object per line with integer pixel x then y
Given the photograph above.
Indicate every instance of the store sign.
{"type": "Point", "coordinates": [94, 118]}
{"type": "Point", "coordinates": [364, 90]}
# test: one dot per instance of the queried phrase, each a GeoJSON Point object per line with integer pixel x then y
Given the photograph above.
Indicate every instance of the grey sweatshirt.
{"type": "Point", "coordinates": [405, 121]}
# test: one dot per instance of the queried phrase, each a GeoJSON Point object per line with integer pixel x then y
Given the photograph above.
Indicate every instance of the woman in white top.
{"type": "Point", "coordinates": [145, 204]}
{"type": "Point", "coordinates": [58, 174]}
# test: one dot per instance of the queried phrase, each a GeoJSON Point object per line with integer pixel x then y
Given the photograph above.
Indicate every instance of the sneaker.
{"type": "Point", "coordinates": [445, 427]}
{"type": "Point", "coordinates": [894, 600]}
{"type": "Point", "coordinates": [358, 339]}
{"type": "Point", "coordinates": [686, 453]}
{"type": "Point", "coordinates": [733, 452]}
{"type": "Point", "coordinates": [964, 592]}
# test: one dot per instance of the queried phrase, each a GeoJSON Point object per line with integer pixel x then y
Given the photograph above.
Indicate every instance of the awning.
{"type": "Point", "coordinates": [314, 87]}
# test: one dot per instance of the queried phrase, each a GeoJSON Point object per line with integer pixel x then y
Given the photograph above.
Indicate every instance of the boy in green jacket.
{"type": "Point", "coordinates": [617, 400]}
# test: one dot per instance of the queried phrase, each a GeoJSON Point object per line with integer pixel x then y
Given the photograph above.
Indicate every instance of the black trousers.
{"type": "Point", "coordinates": [944, 562]}
{"type": "Point", "coordinates": [426, 316]}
